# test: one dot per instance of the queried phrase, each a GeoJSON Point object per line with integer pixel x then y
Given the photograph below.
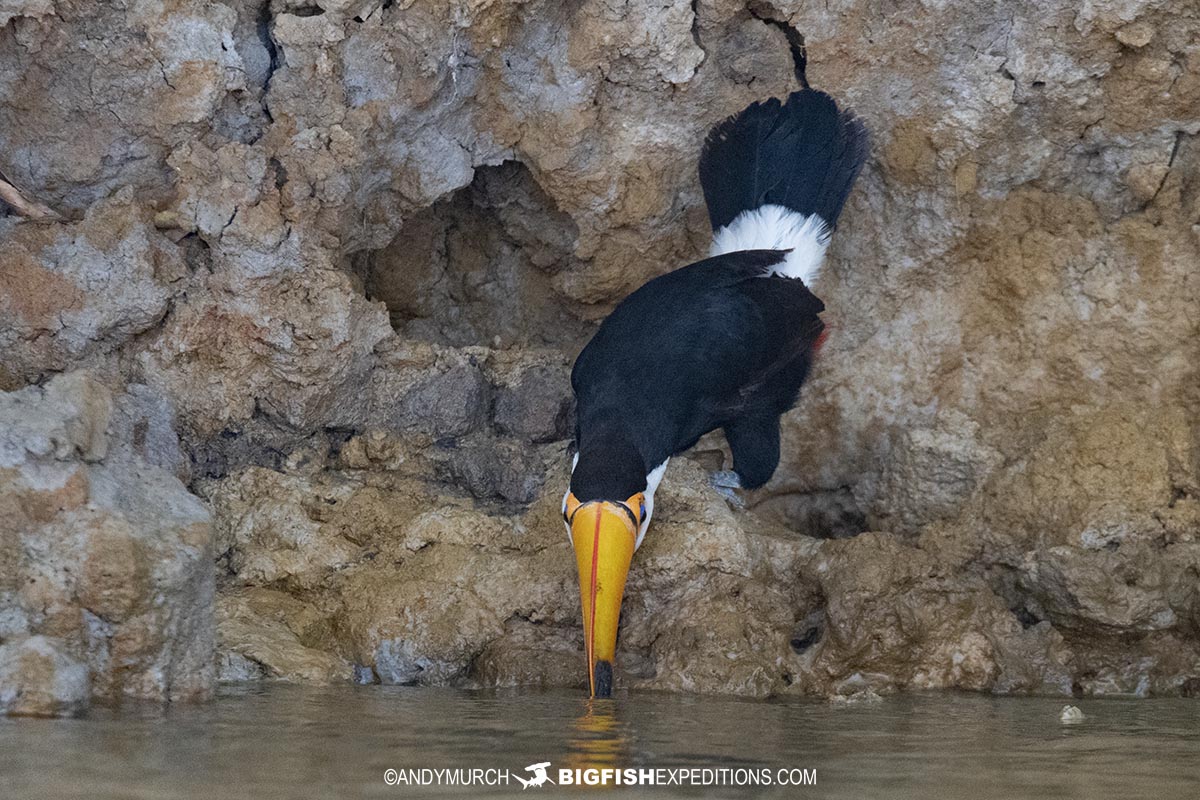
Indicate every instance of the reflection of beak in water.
{"type": "Point", "coordinates": [598, 738]}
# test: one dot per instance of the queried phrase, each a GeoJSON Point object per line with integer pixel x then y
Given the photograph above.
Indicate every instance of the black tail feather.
{"type": "Point", "coordinates": [803, 154]}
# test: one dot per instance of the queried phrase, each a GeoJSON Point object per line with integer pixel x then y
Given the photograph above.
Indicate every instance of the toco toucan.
{"type": "Point", "coordinates": [722, 343]}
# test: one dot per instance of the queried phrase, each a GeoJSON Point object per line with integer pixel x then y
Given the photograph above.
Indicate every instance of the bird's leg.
{"type": "Point", "coordinates": [725, 481]}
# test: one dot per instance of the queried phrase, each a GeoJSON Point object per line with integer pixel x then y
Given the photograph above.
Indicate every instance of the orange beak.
{"type": "Point", "coordinates": [604, 535]}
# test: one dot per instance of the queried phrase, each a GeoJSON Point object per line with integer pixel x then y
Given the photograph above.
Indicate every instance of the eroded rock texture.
{"type": "Point", "coordinates": [336, 257]}
{"type": "Point", "coordinates": [106, 583]}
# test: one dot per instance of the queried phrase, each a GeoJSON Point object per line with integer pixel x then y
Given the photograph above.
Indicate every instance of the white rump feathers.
{"type": "Point", "coordinates": [773, 227]}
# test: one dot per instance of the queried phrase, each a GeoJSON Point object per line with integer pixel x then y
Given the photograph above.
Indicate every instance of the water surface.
{"type": "Point", "coordinates": [281, 741]}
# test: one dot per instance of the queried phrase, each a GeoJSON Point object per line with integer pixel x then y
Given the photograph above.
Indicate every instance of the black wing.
{"type": "Point", "coordinates": [697, 349]}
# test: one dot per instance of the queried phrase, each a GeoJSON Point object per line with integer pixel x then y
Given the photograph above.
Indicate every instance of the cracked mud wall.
{"type": "Point", "coordinates": [343, 251]}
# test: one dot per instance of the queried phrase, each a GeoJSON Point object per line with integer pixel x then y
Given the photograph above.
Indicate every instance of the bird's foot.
{"type": "Point", "coordinates": [725, 481]}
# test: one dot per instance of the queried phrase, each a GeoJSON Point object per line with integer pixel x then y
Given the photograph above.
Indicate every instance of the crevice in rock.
{"type": "Point", "coordinates": [268, 41]}
{"type": "Point", "coordinates": [1179, 137]}
{"type": "Point", "coordinates": [1026, 617]}
{"type": "Point", "coordinates": [696, 33]}
{"type": "Point", "coordinates": [232, 217]}
{"type": "Point", "coordinates": [162, 69]}
{"type": "Point", "coordinates": [477, 268]}
{"type": "Point", "coordinates": [1003, 68]}
{"type": "Point", "coordinates": [766, 14]}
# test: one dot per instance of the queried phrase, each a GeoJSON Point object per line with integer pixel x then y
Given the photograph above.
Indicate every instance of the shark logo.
{"type": "Point", "coordinates": [540, 778]}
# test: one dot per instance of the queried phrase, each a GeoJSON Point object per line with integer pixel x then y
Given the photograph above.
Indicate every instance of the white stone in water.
{"type": "Point", "coordinates": [865, 696]}
{"type": "Point", "coordinates": [1070, 715]}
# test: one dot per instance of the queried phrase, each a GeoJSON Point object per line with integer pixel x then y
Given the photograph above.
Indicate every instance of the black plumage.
{"type": "Point", "coordinates": [725, 342]}
{"type": "Point", "coordinates": [803, 154]}
{"type": "Point", "coordinates": [715, 344]}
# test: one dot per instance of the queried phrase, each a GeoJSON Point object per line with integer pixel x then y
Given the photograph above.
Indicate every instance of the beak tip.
{"type": "Point", "coordinates": [603, 679]}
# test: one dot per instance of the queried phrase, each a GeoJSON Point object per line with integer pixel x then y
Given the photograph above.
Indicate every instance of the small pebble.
{"type": "Point", "coordinates": [1135, 34]}
{"type": "Point", "coordinates": [166, 219]}
{"type": "Point", "coordinates": [1070, 715]}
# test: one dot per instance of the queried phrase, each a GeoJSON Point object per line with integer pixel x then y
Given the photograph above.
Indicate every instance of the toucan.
{"type": "Point", "coordinates": [723, 343]}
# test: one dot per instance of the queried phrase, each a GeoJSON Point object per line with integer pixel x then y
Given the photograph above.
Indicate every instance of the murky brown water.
{"type": "Point", "coordinates": [287, 741]}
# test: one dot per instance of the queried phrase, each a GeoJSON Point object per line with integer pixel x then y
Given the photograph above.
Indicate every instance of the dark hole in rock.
{"type": "Point", "coordinates": [822, 514]}
{"type": "Point", "coordinates": [805, 640]}
{"type": "Point", "coordinates": [196, 253]}
{"type": "Point", "coordinates": [308, 11]}
{"type": "Point", "coordinates": [337, 440]}
{"type": "Point", "coordinates": [1026, 617]}
{"type": "Point", "coordinates": [808, 631]}
{"type": "Point", "coordinates": [477, 267]}
{"type": "Point", "coordinates": [281, 174]}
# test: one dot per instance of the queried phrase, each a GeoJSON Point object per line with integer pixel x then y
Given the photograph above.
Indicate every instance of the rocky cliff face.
{"type": "Point", "coordinates": [336, 256]}
{"type": "Point", "coordinates": [106, 579]}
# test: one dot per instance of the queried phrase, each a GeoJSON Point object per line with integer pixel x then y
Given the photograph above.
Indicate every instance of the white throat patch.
{"type": "Point", "coordinates": [653, 478]}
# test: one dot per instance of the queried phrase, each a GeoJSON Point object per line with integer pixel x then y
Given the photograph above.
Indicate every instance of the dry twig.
{"type": "Point", "coordinates": [32, 210]}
